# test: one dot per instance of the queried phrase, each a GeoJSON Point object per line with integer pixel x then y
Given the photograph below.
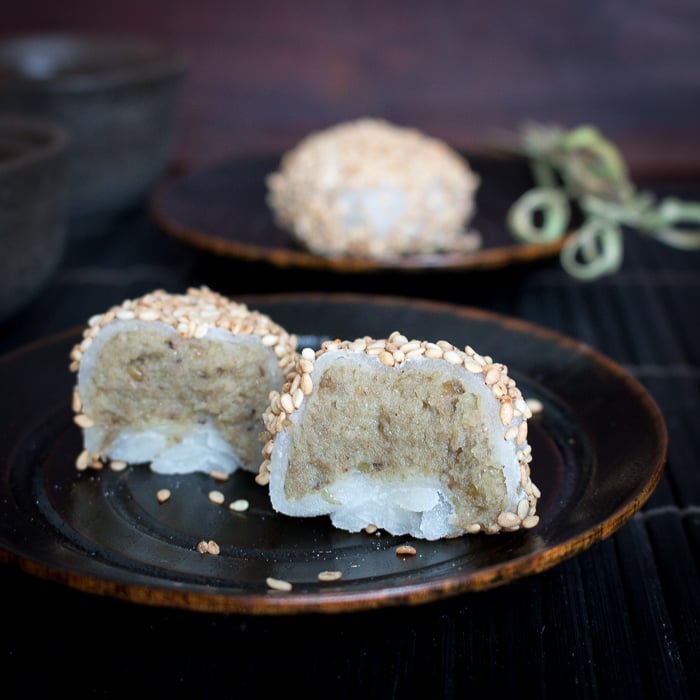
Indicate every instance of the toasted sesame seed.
{"type": "Point", "coordinates": [525, 476]}
{"type": "Point", "coordinates": [306, 384]}
{"type": "Point", "coordinates": [83, 461]}
{"type": "Point", "coordinates": [202, 547]}
{"type": "Point", "coordinates": [499, 391]}
{"type": "Point", "coordinates": [531, 521]}
{"type": "Point", "coordinates": [412, 354]}
{"type": "Point", "coordinates": [117, 465]}
{"type": "Point", "coordinates": [508, 520]}
{"type": "Point", "coordinates": [410, 346]}
{"type": "Point", "coordinates": [262, 478]}
{"type": "Point", "coordinates": [492, 376]}
{"type": "Point", "coordinates": [83, 421]}
{"type": "Point", "coordinates": [522, 433]}
{"type": "Point", "coordinates": [216, 497]}
{"type": "Point", "coordinates": [298, 398]}
{"type": "Point", "coordinates": [330, 575]}
{"type": "Point", "coordinates": [386, 358]}
{"type": "Point", "coordinates": [506, 412]}
{"type": "Point", "coordinates": [277, 584]}
{"type": "Point", "coordinates": [480, 359]}
{"type": "Point", "coordinates": [148, 314]}
{"type": "Point", "coordinates": [213, 548]}
{"type": "Point", "coordinates": [162, 495]}
{"type": "Point", "coordinates": [239, 505]}
{"type": "Point", "coordinates": [399, 356]}
{"type": "Point", "coordinates": [453, 357]}
{"type": "Point", "coordinates": [523, 508]}
{"type": "Point", "coordinates": [521, 406]}
{"type": "Point", "coordinates": [200, 330]}
{"type": "Point", "coordinates": [406, 550]}
{"type": "Point", "coordinates": [371, 529]}
{"type": "Point", "coordinates": [287, 403]}
{"type": "Point", "coordinates": [218, 475]}
{"type": "Point", "coordinates": [306, 366]}
{"type": "Point", "coordinates": [535, 405]}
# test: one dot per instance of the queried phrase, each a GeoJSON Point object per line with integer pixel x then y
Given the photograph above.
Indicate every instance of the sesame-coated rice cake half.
{"type": "Point", "coordinates": [409, 436]}
{"type": "Point", "coordinates": [178, 381]}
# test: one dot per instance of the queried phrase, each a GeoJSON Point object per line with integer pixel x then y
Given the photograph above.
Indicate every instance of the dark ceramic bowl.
{"type": "Point", "coordinates": [32, 208]}
{"type": "Point", "coordinates": [119, 98]}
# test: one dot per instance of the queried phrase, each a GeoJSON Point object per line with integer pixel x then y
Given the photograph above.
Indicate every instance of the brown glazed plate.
{"type": "Point", "coordinates": [599, 448]}
{"type": "Point", "coordinates": [223, 209]}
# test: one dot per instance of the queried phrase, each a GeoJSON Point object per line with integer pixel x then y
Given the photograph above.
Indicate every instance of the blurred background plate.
{"type": "Point", "coordinates": [222, 208]}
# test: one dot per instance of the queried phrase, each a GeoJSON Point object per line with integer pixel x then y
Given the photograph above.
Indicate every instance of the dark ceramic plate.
{"type": "Point", "coordinates": [599, 448]}
{"type": "Point", "coordinates": [223, 209]}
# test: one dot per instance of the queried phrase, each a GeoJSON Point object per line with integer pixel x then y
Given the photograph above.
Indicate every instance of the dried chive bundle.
{"type": "Point", "coordinates": [580, 166]}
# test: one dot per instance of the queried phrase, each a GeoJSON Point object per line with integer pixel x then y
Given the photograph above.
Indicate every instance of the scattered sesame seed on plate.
{"type": "Point", "coordinates": [330, 575]}
{"type": "Point", "coordinates": [277, 584]}
{"type": "Point", "coordinates": [163, 495]}
{"type": "Point", "coordinates": [406, 549]}
{"type": "Point", "coordinates": [239, 505]}
{"type": "Point", "coordinates": [208, 547]}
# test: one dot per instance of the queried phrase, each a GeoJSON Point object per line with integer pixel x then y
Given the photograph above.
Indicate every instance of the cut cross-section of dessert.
{"type": "Point", "coordinates": [410, 436]}
{"type": "Point", "coordinates": [177, 380]}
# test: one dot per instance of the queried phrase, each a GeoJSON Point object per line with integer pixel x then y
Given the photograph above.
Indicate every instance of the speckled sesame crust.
{"type": "Point", "coordinates": [395, 352]}
{"type": "Point", "coordinates": [192, 315]}
{"type": "Point", "coordinates": [368, 188]}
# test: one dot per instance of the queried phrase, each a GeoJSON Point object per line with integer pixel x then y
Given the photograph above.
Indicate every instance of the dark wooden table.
{"type": "Point", "coordinates": [619, 620]}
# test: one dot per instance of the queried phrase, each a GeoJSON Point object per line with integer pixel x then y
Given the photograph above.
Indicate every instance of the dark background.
{"type": "Point", "coordinates": [263, 74]}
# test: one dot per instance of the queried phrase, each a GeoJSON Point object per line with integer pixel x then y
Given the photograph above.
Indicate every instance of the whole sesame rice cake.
{"type": "Point", "coordinates": [369, 188]}
{"type": "Point", "coordinates": [179, 381]}
{"type": "Point", "coordinates": [410, 436]}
